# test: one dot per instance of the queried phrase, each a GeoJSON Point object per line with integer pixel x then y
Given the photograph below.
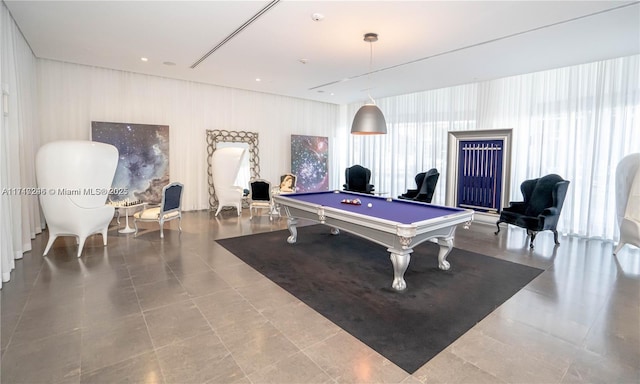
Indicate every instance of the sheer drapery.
{"type": "Point", "coordinates": [67, 97]}
{"type": "Point", "coordinates": [418, 124]}
{"type": "Point", "coordinates": [19, 210]}
{"type": "Point", "coordinates": [577, 122]}
{"type": "Point", "coordinates": [73, 95]}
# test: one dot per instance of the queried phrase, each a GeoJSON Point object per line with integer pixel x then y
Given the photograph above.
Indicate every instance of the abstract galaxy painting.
{"type": "Point", "coordinates": [310, 162]}
{"type": "Point", "coordinates": [143, 166]}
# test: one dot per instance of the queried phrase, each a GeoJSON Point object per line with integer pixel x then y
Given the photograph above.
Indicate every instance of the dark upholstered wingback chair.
{"type": "Point", "coordinates": [540, 210]}
{"type": "Point", "coordinates": [412, 193]}
{"type": "Point", "coordinates": [357, 179]}
{"type": "Point", "coordinates": [426, 183]}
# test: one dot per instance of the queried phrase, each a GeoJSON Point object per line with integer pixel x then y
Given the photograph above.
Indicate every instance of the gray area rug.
{"type": "Point", "coordinates": [348, 280]}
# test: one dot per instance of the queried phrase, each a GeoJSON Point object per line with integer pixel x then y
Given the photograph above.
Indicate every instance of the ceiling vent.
{"type": "Point", "coordinates": [234, 33]}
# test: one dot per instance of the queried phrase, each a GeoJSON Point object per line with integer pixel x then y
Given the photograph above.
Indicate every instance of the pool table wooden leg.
{"type": "Point", "coordinates": [400, 261]}
{"type": "Point", "coordinates": [446, 244]}
{"type": "Point", "coordinates": [291, 224]}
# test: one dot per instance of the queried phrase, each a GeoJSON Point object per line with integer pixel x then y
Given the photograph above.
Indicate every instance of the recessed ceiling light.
{"type": "Point", "coordinates": [303, 61]}
{"type": "Point", "coordinates": [317, 17]}
{"type": "Point", "coordinates": [258, 79]}
{"type": "Point", "coordinates": [170, 63]}
{"type": "Point", "coordinates": [144, 59]}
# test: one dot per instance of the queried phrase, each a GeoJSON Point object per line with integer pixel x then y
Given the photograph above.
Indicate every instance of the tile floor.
{"type": "Point", "coordinates": [184, 310]}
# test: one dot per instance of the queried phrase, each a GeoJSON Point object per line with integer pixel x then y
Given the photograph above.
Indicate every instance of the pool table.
{"type": "Point", "coordinates": [398, 225]}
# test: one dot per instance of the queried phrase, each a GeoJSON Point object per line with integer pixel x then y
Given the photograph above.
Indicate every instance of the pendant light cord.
{"type": "Point", "coordinates": [370, 70]}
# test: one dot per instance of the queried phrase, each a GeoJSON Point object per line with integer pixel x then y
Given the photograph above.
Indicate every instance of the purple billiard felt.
{"type": "Point", "coordinates": [404, 212]}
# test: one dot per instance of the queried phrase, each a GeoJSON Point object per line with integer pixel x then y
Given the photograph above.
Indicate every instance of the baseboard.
{"type": "Point", "coordinates": [485, 218]}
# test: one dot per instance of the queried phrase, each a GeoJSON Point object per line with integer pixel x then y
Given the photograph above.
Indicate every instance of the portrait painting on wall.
{"type": "Point", "coordinates": [310, 162]}
{"type": "Point", "coordinates": [143, 164]}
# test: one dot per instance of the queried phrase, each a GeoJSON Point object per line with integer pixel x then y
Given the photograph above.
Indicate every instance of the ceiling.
{"type": "Point", "coordinates": [422, 44]}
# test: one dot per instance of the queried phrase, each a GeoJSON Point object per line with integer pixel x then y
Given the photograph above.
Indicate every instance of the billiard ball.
{"type": "Point", "coordinates": [369, 205]}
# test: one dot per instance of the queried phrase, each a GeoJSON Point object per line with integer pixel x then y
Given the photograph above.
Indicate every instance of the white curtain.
{"type": "Point", "coordinates": [418, 125]}
{"type": "Point", "coordinates": [50, 100]}
{"type": "Point", "coordinates": [73, 95]}
{"type": "Point", "coordinates": [19, 211]}
{"type": "Point", "coordinates": [577, 122]}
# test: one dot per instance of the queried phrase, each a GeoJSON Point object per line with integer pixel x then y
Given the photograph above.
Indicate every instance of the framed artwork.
{"type": "Point", "coordinates": [310, 162]}
{"type": "Point", "coordinates": [478, 170]}
{"type": "Point", "coordinates": [143, 165]}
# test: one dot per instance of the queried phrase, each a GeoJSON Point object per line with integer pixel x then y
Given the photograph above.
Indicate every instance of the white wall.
{"type": "Point", "coordinates": [72, 95]}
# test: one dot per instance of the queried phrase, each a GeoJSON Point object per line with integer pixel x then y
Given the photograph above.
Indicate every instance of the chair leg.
{"type": "Point", "coordinates": [81, 241]}
{"type": "Point", "coordinates": [52, 238]}
{"type": "Point", "coordinates": [555, 237]}
{"type": "Point", "coordinates": [497, 225]}
{"type": "Point", "coordinates": [104, 236]}
{"type": "Point", "coordinates": [180, 223]}
{"type": "Point", "coordinates": [161, 222]}
{"type": "Point", "coordinates": [533, 237]}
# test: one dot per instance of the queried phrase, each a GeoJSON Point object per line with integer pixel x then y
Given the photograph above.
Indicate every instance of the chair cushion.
{"type": "Point", "coordinates": [358, 183]}
{"type": "Point", "coordinates": [260, 191]}
{"type": "Point", "coordinates": [529, 222]}
{"type": "Point", "coordinates": [154, 214]}
{"type": "Point", "coordinates": [509, 216]}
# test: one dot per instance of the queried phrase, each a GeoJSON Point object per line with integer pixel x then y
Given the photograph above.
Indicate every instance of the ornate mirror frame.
{"type": "Point", "coordinates": [221, 136]}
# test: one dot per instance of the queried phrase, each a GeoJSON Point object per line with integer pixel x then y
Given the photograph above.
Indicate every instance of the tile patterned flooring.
{"type": "Point", "coordinates": [184, 310]}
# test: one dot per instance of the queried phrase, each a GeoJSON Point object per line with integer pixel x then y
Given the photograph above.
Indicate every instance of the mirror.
{"type": "Point", "coordinates": [249, 171]}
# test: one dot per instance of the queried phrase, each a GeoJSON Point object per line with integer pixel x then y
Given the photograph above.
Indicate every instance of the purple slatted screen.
{"type": "Point", "coordinates": [480, 174]}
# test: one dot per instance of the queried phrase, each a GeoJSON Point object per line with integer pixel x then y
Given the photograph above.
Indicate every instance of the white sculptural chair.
{"type": "Point", "coordinates": [225, 164]}
{"type": "Point", "coordinates": [628, 201]}
{"type": "Point", "coordinates": [75, 177]}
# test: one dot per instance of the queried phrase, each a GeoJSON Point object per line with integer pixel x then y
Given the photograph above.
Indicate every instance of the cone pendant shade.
{"type": "Point", "coordinates": [369, 120]}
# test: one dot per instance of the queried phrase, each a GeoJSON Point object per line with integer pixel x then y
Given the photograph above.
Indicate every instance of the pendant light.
{"type": "Point", "coordinates": [369, 119]}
